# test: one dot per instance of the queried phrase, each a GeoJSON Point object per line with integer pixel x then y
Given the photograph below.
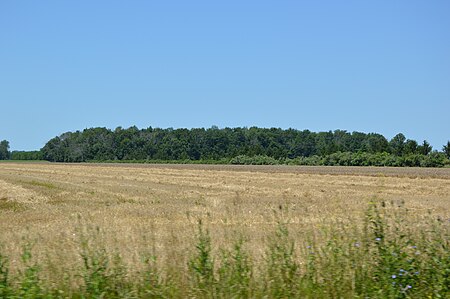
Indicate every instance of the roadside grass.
{"type": "Point", "coordinates": [386, 255]}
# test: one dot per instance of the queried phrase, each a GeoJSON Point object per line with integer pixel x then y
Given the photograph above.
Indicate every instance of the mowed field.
{"type": "Point", "coordinates": [131, 208]}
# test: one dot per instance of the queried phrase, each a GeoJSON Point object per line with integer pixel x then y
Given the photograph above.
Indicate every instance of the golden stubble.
{"type": "Point", "coordinates": [155, 209]}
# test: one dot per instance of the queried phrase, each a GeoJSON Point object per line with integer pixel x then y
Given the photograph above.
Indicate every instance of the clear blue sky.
{"type": "Point", "coordinates": [370, 66]}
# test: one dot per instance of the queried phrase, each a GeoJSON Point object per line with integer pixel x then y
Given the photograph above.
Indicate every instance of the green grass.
{"type": "Point", "coordinates": [25, 161]}
{"type": "Point", "coordinates": [384, 256]}
{"type": "Point", "coordinates": [10, 205]}
{"type": "Point", "coordinates": [43, 184]}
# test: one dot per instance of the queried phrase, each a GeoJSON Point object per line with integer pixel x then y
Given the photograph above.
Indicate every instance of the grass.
{"type": "Point", "coordinates": [9, 205]}
{"type": "Point", "coordinates": [24, 161]}
{"type": "Point", "coordinates": [132, 231]}
{"type": "Point", "coordinates": [382, 257]}
{"type": "Point", "coordinates": [43, 184]}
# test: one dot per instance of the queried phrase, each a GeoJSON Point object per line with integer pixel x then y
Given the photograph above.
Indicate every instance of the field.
{"type": "Point", "coordinates": [53, 215]}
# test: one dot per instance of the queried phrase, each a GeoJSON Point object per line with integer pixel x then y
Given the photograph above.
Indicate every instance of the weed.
{"type": "Point", "coordinates": [103, 276]}
{"type": "Point", "coordinates": [201, 265]}
{"type": "Point", "coordinates": [282, 268]}
{"type": "Point", "coordinates": [30, 284]}
{"type": "Point", "coordinates": [5, 287]}
{"type": "Point", "coordinates": [235, 272]}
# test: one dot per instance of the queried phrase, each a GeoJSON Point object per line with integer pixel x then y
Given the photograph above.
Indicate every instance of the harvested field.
{"type": "Point", "coordinates": [136, 205]}
{"type": "Point", "coordinates": [412, 172]}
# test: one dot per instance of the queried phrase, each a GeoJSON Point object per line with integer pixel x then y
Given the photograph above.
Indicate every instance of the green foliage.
{"type": "Point", "coordinates": [4, 150]}
{"type": "Point", "coordinates": [425, 148]}
{"type": "Point", "coordinates": [411, 147]}
{"type": "Point", "coordinates": [246, 146]}
{"type": "Point", "coordinates": [201, 266]}
{"type": "Point", "coordinates": [397, 144]}
{"type": "Point", "coordinates": [401, 260]}
{"type": "Point", "coordinates": [30, 284]}
{"type": "Point", "coordinates": [282, 268]}
{"type": "Point", "coordinates": [5, 287]}
{"type": "Point", "coordinates": [235, 273]}
{"type": "Point", "coordinates": [375, 143]}
{"type": "Point", "coordinates": [103, 276]}
{"type": "Point", "coordinates": [95, 271]}
{"type": "Point", "coordinates": [152, 284]}
{"type": "Point", "coordinates": [446, 150]}
{"type": "Point", "coordinates": [27, 155]}
{"type": "Point", "coordinates": [393, 263]}
{"type": "Point", "coordinates": [434, 159]}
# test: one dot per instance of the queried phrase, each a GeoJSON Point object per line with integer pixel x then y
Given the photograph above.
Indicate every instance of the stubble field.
{"type": "Point", "coordinates": [138, 210]}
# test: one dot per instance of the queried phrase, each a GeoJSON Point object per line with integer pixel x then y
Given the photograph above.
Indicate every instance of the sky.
{"type": "Point", "coordinates": [367, 66]}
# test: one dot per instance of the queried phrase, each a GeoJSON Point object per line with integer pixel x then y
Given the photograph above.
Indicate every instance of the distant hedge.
{"type": "Point", "coordinates": [27, 155]}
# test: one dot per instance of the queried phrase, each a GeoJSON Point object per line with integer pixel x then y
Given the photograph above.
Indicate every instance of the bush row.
{"type": "Point", "coordinates": [434, 159]}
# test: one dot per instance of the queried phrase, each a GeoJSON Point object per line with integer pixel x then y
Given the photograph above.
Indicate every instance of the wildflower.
{"type": "Point", "coordinates": [378, 239]}
{"type": "Point", "coordinates": [309, 246]}
{"type": "Point", "coordinates": [394, 276]}
{"type": "Point", "coordinates": [406, 288]}
{"type": "Point", "coordinates": [416, 273]}
{"type": "Point", "coordinates": [414, 247]}
{"type": "Point", "coordinates": [357, 244]}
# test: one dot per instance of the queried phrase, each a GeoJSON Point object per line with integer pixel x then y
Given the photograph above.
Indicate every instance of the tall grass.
{"type": "Point", "coordinates": [384, 256]}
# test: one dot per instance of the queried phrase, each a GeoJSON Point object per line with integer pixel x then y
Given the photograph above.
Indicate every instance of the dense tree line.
{"type": "Point", "coordinates": [236, 146]}
{"type": "Point", "coordinates": [199, 144]}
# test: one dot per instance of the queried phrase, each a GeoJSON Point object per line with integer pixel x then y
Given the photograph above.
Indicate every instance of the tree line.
{"type": "Point", "coordinates": [214, 144]}
{"type": "Point", "coordinates": [6, 154]}
{"type": "Point", "coordinates": [237, 145]}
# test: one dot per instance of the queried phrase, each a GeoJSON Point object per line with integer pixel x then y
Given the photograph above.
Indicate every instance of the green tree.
{"type": "Point", "coordinates": [411, 147]}
{"type": "Point", "coordinates": [376, 143]}
{"type": "Point", "coordinates": [446, 149]}
{"type": "Point", "coordinates": [425, 148]}
{"type": "Point", "coordinates": [325, 144]}
{"type": "Point", "coordinates": [355, 142]}
{"type": "Point", "coordinates": [4, 150]}
{"type": "Point", "coordinates": [397, 144]}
